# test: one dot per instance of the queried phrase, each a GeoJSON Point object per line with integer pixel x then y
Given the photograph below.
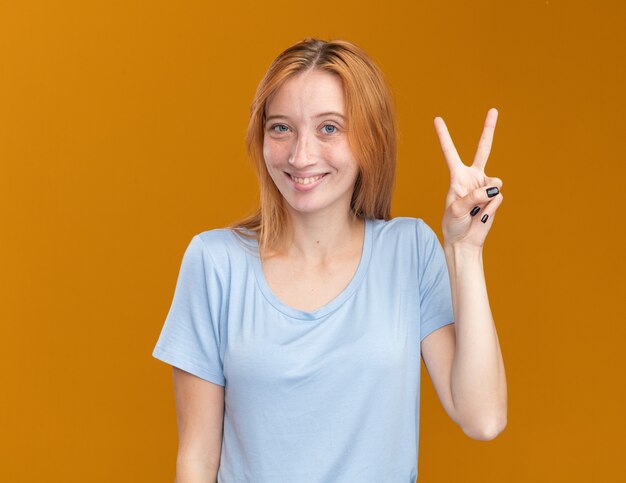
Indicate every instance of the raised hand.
{"type": "Point", "coordinates": [470, 209]}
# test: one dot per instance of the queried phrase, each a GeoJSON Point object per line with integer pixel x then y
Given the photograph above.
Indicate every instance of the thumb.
{"type": "Point", "coordinates": [477, 198]}
{"type": "Point", "coordinates": [493, 182]}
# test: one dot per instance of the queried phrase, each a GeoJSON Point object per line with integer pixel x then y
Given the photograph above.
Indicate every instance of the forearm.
{"type": "Point", "coordinates": [195, 471]}
{"type": "Point", "coordinates": [478, 380]}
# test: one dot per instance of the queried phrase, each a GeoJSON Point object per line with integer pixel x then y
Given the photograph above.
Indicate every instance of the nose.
{"type": "Point", "coordinates": [303, 153]}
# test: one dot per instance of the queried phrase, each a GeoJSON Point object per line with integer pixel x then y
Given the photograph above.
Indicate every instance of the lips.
{"type": "Point", "coordinates": [305, 187]}
{"type": "Point", "coordinates": [307, 179]}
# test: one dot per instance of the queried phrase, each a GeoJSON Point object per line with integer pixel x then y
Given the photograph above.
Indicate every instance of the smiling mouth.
{"type": "Point", "coordinates": [306, 181]}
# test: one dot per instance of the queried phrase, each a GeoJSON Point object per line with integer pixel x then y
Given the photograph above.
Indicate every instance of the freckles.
{"type": "Point", "coordinates": [327, 151]}
{"type": "Point", "coordinates": [271, 152]}
{"type": "Point", "coordinates": [333, 151]}
{"type": "Point", "coordinates": [337, 152]}
{"type": "Point", "coordinates": [279, 152]}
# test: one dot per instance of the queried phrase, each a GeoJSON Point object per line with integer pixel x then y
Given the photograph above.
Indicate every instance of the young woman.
{"type": "Point", "coordinates": [296, 333]}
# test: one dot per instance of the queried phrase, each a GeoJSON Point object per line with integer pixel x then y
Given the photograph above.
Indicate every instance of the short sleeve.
{"type": "Point", "coordinates": [436, 308]}
{"type": "Point", "coordinates": [189, 338]}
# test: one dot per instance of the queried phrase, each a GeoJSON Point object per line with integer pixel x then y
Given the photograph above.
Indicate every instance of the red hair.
{"type": "Point", "coordinates": [372, 135]}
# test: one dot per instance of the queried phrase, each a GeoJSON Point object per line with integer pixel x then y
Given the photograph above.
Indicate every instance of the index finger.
{"type": "Point", "coordinates": [447, 146]}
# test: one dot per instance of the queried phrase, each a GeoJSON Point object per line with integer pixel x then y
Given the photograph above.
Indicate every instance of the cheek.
{"type": "Point", "coordinates": [341, 156]}
{"type": "Point", "coordinates": [275, 152]}
{"type": "Point", "coordinates": [267, 153]}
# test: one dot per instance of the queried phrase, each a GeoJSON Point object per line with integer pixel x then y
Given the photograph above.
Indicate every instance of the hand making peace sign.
{"type": "Point", "coordinates": [469, 209]}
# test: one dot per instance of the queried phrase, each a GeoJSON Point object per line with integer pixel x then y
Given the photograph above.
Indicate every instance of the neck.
{"type": "Point", "coordinates": [318, 240]}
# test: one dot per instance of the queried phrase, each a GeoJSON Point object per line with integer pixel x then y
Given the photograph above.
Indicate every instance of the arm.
{"type": "Point", "coordinates": [477, 382]}
{"type": "Point", "coordinates": [464, 360]}
{"type": "Point", "coordinates": [200, 415]}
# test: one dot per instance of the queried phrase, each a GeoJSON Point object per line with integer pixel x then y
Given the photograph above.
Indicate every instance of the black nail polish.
{"type": "Point", "coordinates": [491, 192]}
{"type": "Point", "coordinates": [475, 210]}
{"type": "Point", "coordinates": [484, 218]}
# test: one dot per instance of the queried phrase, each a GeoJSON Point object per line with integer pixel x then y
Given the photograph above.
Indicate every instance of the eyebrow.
{"type": "Point", "coordinates": [321, 114]}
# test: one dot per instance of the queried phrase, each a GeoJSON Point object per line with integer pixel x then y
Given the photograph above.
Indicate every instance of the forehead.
{"type": "Point", "coordinates": [312, 90]}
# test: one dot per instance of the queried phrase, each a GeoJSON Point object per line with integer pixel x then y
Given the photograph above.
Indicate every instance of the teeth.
{"type": "Point", "coordinates": [306, 180]}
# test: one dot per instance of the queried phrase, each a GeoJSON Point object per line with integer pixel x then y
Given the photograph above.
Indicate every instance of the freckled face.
{"type": "Point", "coordinates": [305, 138]}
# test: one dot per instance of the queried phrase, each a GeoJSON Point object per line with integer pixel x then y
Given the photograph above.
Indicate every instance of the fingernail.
{"type": "Point", "coordinates": [484, 218]}
{"type": "Point", "coordinates": [491, 192]}
{"type": "Point", "coordinates": [475, 210]}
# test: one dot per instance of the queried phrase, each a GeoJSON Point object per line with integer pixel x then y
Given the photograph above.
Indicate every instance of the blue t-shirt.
{"type": "Point", "coordinates": [319, 397]}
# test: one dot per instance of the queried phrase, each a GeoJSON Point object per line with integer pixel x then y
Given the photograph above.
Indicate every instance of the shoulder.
{"type": "Point", "coordinates": [406, 233]}
{"type": "Point", "coordinates": [404, 225]}
{"type": "Point", "coordinates": [216, 247]}
{"type": "Point", "coordinates": [215, 239]}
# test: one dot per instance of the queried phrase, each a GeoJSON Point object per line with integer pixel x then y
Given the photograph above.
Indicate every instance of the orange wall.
{"type": "Point", "coordinates": [121, 136]}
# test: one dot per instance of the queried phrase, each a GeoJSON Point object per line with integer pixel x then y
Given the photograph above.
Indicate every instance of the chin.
{"type": "Point", "coordinates": [305, 209]}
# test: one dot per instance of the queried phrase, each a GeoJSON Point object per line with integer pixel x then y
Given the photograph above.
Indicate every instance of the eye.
{"type": "Point", "coordinates": [332, 126]}
{"type": "Point", "coordinates": [273, 128]}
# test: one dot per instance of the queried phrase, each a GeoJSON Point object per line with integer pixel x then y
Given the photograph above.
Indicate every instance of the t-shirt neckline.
{"type": "Point", "coordinates": [329, 307]}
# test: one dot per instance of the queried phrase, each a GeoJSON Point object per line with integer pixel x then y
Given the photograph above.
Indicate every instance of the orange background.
{"type": "Point", "coordinates": [121, 136]}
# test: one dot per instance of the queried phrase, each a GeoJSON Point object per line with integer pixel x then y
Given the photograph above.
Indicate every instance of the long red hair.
{"type": "Point", "coordinates": [372, 135]}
